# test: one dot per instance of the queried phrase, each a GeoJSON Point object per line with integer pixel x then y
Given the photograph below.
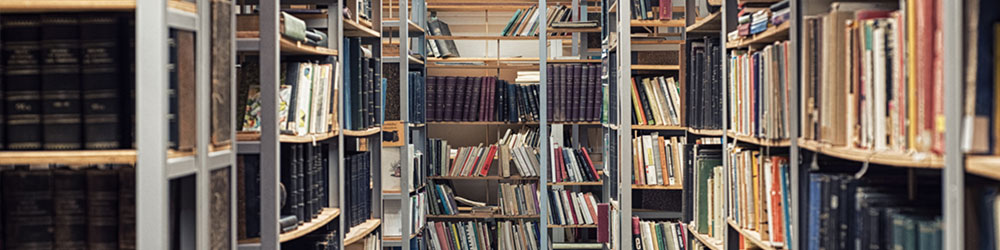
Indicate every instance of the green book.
{"type": "Point", "coordinates": [510, 24]}
{"type": "Point", "coordinates": [705, 172]}
{"type": "Point", "coordinates": [659, 235]}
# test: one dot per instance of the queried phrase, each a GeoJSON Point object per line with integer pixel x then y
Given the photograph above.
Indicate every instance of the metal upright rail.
{"type": "Point", "coordinates": [624, 123]}
{"type": "Point", "coordinates": [152, 206]}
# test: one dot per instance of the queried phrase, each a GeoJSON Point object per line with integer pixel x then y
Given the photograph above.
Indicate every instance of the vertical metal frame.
{"type": "Point", "coordinates": [270, 149]}
{"type": "Point", "coordinates": [151, 207]}
{"type": "Point", "coordinates": [794, 164]}
{"type": "Point", "coordinates": [954, 168]}
{"type": "Point", "coordinates": [624, 123]}
{"type": "Point", "coordinates": [729, 10]}
{"type": "Point", "coordinates": [543, 179]}
{"type": "Point", "coordinates": [406, 154]}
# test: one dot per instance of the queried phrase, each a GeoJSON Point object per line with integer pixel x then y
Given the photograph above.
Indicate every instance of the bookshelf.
{"type": "Point", "coordinates": [705, 240]}
{"type": "Point", "coordinates": [752, 237]}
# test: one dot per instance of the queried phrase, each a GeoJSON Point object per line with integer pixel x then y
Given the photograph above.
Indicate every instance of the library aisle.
{"type": "Point", "coordinates": [499, 125]}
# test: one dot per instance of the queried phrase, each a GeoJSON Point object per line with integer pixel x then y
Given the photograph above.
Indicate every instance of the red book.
{"type": "Point", "coordinates": [666, 10]}
{"type": "Point", "coordinates": [559, 165]}
{"type": "Point", "coordinates": [590, 163]}
{"type": "Point", "coordinates": [777, 214]}
{"type": "Point", "coordinates": [636, 234]}
{"type": "Point", "coordinates": [926, 32]}
{"type": "Point", "coordinates": [603, 232]}
{"type": "Point", "coordinates": [489, 160]}
{"type": "Point", "coordinates": [442, 236]}
{"type": "Point", "coordinates": [572, 207]}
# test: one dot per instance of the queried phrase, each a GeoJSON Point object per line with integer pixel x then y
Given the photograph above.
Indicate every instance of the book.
{"type": "Point", "coordinates": [703, 103]}
{"type": "Point", "coordinates": [759, 109]}
{"type": "Point", "coordinates": [447, 48]}
{"type": "Point", "coordinates": [22, 79]}
{"type": "Point", "coordinates": [222, 71]}
{"type": "Point", "coordinates": [60, 84]}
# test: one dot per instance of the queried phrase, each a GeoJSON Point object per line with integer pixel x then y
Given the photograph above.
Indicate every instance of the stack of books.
{"type": "Point", "coordinates": [572, 208]}
{"type": "Point", "coordinates": [519, 199]}
{"type": "Point", "coordinates": [760, 195]}
{"type": "Point", "coordinates": [363, 87]}
{"type": "Point", "coordinates": [571, 165]}
{"type": "Point", "coordinates": [358, 191]}
{"type": "Point", "coordinates": [517, 235]}
{"type": "Point", "coordinates": [758, 92]}
{"type": "Point", "coordinates": [658, 160]}
{"type": "Point", "coordinates": [755, 18]}
{"type": "Point", "coordinates": [63, 208]}
{"type": "Point", "coordinates": [439, 157]}
{"type": "Point", "coordinates": [460, 235]}
{"type": "Point", "coordinates": [302, 175]}
{"type": "Point", "coordinates": [662, 235]}
{"type": "Point", "coordinates": [442, 200]}
{"type": "Point", "coordinates": [656, 101]}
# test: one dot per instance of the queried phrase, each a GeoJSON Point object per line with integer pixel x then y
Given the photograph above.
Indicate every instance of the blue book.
{"type": "Point", "coordinates": [346, 85]}
{"type": "Point", "coordinates": [786, 201]}
{"type": "Point", "coordinates": [812, 222]}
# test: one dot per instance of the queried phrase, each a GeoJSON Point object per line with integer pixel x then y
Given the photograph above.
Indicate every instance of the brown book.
{"type": "Point", "coordinates": [126, 208]}
{"type": "Point", "coordinates": [186, 84]}
{"type": "Point", "coordinates": [222, 71]}
{"type": "Point", "coordinates": [219, 210]}
{"type": "Point", "coordinates": [667, 173]}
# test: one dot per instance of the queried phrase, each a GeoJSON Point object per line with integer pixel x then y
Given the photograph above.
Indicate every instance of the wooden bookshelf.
{"type": "Point", "coordinates": [657, 23]}
{"type": "Point", "coordinates": [982, 165]}
{"type": "Point", "coordinates": [255, 136]}
{"type": "Point", "coordinates": [366, 132]}
{"type": "Point", "coordinates": [469, 216]}
{"type": "Point", "coordinates": [511, 178]}
{"type": "Point", "coordinates": [656, 41]}
{"type": "Point", "coordinates": [889, 158]}
{"type": "Point", "coordinates": [569, 183]}
{"type": "Point", "coordinates": [354, 28]}
{"type": "Point", "coordinates": [574, 226]}
{"type": "Point", "coordinates": [13, 6]}
{"type": "Point", "coordinates": [705, 132]}
{"type": "Point", "coordinates": [510, 59]}
{"type": "Point", "coordinates": [68, 157]}
{"type": "Point", "coordinates": [772, 34]}
{"type": "Point", "coordinates": [325, 216]}
{"type": "Point", "coordinates": [763, 142]}
{"type": "Point", "coordinates": [658, 127]}
{"type": "Point", "coordinates": [573, 30]}
{"type": "Point", "coordinates": [393, 24]}
{"type": "Point", "coordinates": [711, 23]}
{"type": "Point", "coordinates": [705, 239]}
{"type": "Point", "coordinates": [751, 237]}
{"type": "Point", "coordinates": [361, 231]}
{"type": "Point", "coordinates": [655, 67]}
{"type": "Point", "coordinates": [491, 38]}
{"type": "Point", "coordinates": [656, 187]}
{"type": "Point", "coordinates": [400, 238]}
{"type": "Point", "coordinates": [287, 46]}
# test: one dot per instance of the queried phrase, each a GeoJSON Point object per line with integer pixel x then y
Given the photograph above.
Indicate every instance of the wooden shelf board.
{"type": "Point", "coordinates": [705, 132]}
{"type": "Point", "coordinates": [367, 132]}
{"type": "Point", "coordinates": [494, 37]}
{"type": "Point", "coordinates": [711, 23]}
{"type": "Point", "coordinates": [657, 187]}
{"type": "Point", "coordinates": [573, 30]}
{"type": "Point", "coordinates": [656, 41]}
{"type": "Point", "coordinates": [411, 26]}
{"type": "Point", "coordinates": [11, 6]}
{"type": "Point", "coordinates": [656, 23]}
{"type": "Point", "coordinates": [359, 232]}
{"type": "Point", "coordinates": [889, 158]}
{"type": "Point", "coordinates": [68, 157]}
{"type": "Point", "coordinates": [985, 166]}
{"type": "Point", "coordinates": [708, 242]}
{"type": "Point", "coordinates": [574, 226]}
{"type": "Point", "coordinates": [255, 136]}
{"type": "Point", "coordinates": [512, 178]}
{"type": "Point", "coordinates": [290, 47]}
{"type": "Point", "coordinates": [657, 127]}
{"type": "Point", "coordinates": [356, 29]}
{"type": "Point", "coordinates": [750, 237]}
{"type": "Point", "coordinates": [480, 216]}
{"type": "Point", "coordinates": [510, 59]}
{"type": "Point", "coordinates": [760, 141]}
{"type": "Point", "coordinates": [189, 7]}
{"type": "Point", "coordinates": [400, 238]}
{"type": "Point", "coordinates": [772, 34]}
{"type": "Point", "coordinates": [325, 216]}
{"type": "Point", "coordinates": [567, 183]}
{"type": "Point", "coordinates": [655, 67]}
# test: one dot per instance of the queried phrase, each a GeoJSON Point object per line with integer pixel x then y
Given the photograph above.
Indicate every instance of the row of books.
{"type": "Point", "coordinates": [574, 92]}
{"type": "Point", "coordinates": [708, 198]}
{"type": "Point", "coordinates": [519, 199]}
{"type": "Point", "coordinates": [659, 235]}
{"type": "Point", "coordinates": [887, 95]}
{"type": "Point", "coordinates": [358, 193]}
{"type": "Point", "coordinates": [703, 99]}
{"type": "Point", "coordinates": [305, 180]}
{"type": "Point", "coordinates": [418, 211]}
{"type": "Point", "coordinates": [473, 161]}
{"type": "Point", "coordinates": [756, 18]}
{"type": "Point", "coordinates": [525, 22]}
{"type": "Point", "coordinates": [656, 101]}
{"type": "Point", "coordinates": [758, 92]}
{"type": "Point", "coordinates": [845, 212]}
{"type": "Point", "coordinates": [459, 235]}
{"type": "Point", "coordinates": [571, 165]}
{"type": "Point", "coordinates": [68, 208]}
{"type": "Point", "coordinates": [518, 235]}
{"type": "Point", "coordinates": [572, 208]}
{"type": "Point", "coordinates": [652, 9]}
{"type": "Point", "coordinates": [523, 146]}
{"type": "Point", "coordinates": [441, 200]}
{"type": "Point", "coordinates": [68, 81]}
{"type": "Point", "coordinates": [982, 214]}
{"type": "Point", "coordinates": [760, 194]}
{"type": "Point", "coordinates": [418, 89]}
{"type": "Point", "coordinates": [305, 96]}
{"type": "Point", "coordinates": [459, 98]}
{"type": "Point", "coordinates": [362, 86]}
{"type": "Point", "coordinates": [658, 160]}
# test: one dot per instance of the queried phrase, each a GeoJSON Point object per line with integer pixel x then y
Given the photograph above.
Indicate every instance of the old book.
{"type": "Point", "coordinates": [102, 208]}
{"type": "Point", "coordinates": [184, 76]}
{"type": "Point", "coordinates": [222, 71]}
{"type": "Point", "coordinates": [126, 208]}
{"type": "Point", "coordinates": [60, 68]}
{"type": "Point", "coordinates": [303, 97]}
{"type": "Point", "coordinates": [22, 53]}
{"type": "Point", "coordinates": [447, 48]}
{"type": "Point", "coordinates": [70, 209]}
{"type": "Point", "coordinates": [219, 210]}
{"type": "Point", "coordinates": [28, 209]}
{"type": "Point", "coordinates": [511, 23]}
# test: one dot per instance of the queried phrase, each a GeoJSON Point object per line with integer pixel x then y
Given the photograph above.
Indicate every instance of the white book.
{"type": "Point", "coordinates": [567, 208]}
{"type": "Point", "coordinates": [533, 159]}
{"type": "Point", "coordinates": [580, 212]}
{"type": "Point", "coordinates": [303, 97]}
{"type": "Point", "coordinates": [654, 141]}
{"type": "Point", "coordinates": [552, 160]}
{"type": "Point", "coordinates": [647, 236]}
{"type": "Point", "coordinates": [879, 124]}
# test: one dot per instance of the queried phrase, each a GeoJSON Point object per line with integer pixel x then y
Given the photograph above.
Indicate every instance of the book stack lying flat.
{"type": "Point", "coordinates": [441, 200]}
{"type": "Point", "coordinates": [460, 235]}
{"type": "Point", "coordinates": [653, 235]}
{"type": "Point", "coordinates": [67, 208]}
{"type": "Point", "coordinates": [656, 101]}
{"type": "Point", "coordinates": [759, 92]}
{"type": "Point", "coordinates": [571, 165]}
{"type": "Point", "coordinates": [572, 208]}
{"type": "Point", "coordinates": [755, 18]}
{"type": "Point", "coordinates": [759, 188]}
{"type": "Point", "coordinates": [845, 212]}
{"type": "Point", "coordinates": [658, 160]}
{"type": "Point", "coordinates": [888, 96]}
{"type": "Point", "coordinates": [518, 199]}
{"type": "Point", "coordinates": [517, 235]}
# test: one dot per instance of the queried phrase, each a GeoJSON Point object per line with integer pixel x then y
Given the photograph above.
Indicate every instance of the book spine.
{"type": "Point", "coordinates": [102, 209]}
{"type": "Point", "coordinates": [126, 208]}
{"type": "Point", "coordinates": [28, 209]}
{"type": "Point", "coordinates": [22, 59]}
{"type": "Point", "coordinates": [70, 214]}
{"type": "Point", "coordinates": [60, 48]}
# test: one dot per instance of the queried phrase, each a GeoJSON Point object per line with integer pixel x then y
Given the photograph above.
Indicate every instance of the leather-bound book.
{"type": "Point", "coordinates": [70, 209]}
{"type": "Point", "coordinates": [22, 60]}
{"type": "Point", "coordinates": [60, 68]}
{"type": "Point", "coordinates": [100, 82]}
{"type": "Point", "coordinates": [219, 210]}
{"type": "Point", "coordinates": [222, 71]}
{"type": "Point", "coordinates": [102, 209]}
{"type": "Point", "coordinates": [550, 82]}
{"type": "Point", "coordinates": [432, 98]}
{"type": "Point", "coordinates": [186, 82]}
{"type": "Point", "coordinates": [27, 209]}
{"type": "Point", "coordinates": [474, 98]}
{"type": "Point", "coordinates": [126, 208]}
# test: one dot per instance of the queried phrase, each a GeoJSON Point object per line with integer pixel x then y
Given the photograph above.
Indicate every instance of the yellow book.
{"type": "Point", "coordinates": [911, 74]}
{"type": "Point", "coordinates": [637, 105]}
